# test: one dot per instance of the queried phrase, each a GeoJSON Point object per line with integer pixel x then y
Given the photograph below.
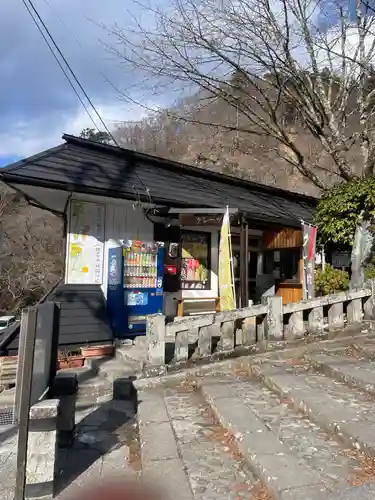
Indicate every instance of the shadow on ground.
{"type": "Point", "coordinates": [104, 441]}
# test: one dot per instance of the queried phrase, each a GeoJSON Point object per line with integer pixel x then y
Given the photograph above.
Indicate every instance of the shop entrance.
{"type": "Point", "coordinates": [253, 262]}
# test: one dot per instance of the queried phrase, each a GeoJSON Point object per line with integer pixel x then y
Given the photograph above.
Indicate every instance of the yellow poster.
{"type": "Point", "coordinates": [227, 300]}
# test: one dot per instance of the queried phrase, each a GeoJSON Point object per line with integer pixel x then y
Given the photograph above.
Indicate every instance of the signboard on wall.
{"type": "Point", "coordinates": [341, 259]}
{"type": "Point", "coordinates": [201, 220]}
{"type": "Point", "coordinates": [86, 243]}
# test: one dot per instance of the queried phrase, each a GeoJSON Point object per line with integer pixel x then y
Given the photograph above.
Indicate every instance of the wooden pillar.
{"type": "Point", "coordinates": [244, 262]}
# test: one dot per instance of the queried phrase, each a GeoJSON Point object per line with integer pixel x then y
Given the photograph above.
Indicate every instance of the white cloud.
{"type": "Point", "coordinates": [37, 105]}
{"type": "Point", "coordinates": [28, 137]}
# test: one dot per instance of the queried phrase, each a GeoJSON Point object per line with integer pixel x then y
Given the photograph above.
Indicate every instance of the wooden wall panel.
{"type": "Point", "coordinates": [282, 238]}
{"type": "Point", "coordinates": [289, 292]}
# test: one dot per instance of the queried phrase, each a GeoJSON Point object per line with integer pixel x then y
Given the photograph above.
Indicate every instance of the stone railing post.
{"type": "Point", "coordinates": [42, 450]}
{"type": "Point", "coordinates": [274, 318]}
{"type": "Point", "coordinates": [369, 305]}
{"type": "Point", "coordinates": [155, 333]}
{"type": "Point", "coordinates": [64, 387]}
{"type": "Point", "coordinates": [316, 320]}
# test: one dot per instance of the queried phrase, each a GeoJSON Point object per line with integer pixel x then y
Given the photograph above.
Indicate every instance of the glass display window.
{"type": "Point", "coordinates": [195, 260]}
{"type": "Point", "coordinates": [283, 264]}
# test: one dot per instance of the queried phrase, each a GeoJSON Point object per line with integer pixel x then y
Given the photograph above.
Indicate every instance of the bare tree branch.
{"type": "Point", "coordinates": [260, 57]}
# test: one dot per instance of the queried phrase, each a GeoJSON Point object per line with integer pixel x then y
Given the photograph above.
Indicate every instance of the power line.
{"type": "Point", "coordinates": [68, 66]}
{"type": "Point", "coordinates": [59, 63]}
{"type": "Point", "coordinates": [30, 4]}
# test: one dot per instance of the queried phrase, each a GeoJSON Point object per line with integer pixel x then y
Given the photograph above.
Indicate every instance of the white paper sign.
{"type": "Point", "coordinates": [86, 243]}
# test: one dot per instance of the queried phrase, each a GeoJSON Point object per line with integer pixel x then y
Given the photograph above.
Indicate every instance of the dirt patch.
{"type": "Point", "coordinates": [364, 471]}
{"type": "Point", "coordinates": [260, 492]}
{"type": "Point", "coordinates": [354, 352]}
{"type": "Point", "coordinates": [227, 439]}
{"type": "Point", "coordinates": [188, 384]}
{"type": "Point", "coordinates": [296, 362]}
{"type": "Point", "coordinates": [135, 461]}
{"type": "Point", "coordinates": [241, 372]}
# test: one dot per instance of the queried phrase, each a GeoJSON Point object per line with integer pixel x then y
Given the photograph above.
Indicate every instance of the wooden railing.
{"type": "Point", "coordinates": [270, 320]}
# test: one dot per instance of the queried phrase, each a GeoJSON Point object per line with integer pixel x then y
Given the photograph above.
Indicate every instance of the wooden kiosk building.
{"type": "Point", "coordinates": [123, 194]}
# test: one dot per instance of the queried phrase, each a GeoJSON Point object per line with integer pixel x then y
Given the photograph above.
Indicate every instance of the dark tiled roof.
{"type": "Point", "coordinates": [83, 166]}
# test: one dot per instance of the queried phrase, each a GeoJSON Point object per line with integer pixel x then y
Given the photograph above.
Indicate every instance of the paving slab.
{"type": "Point", "coordinates": [364, 492]}
{"type": "Point", "coordinates": [169, 477]}
{"type": "Point", "coordinates": [304, 493]}
{"type": "Point", "coordinates": [151, 409]}
{"type": "Point", "coordinates": [8, 467]}
{"type": "Point", "coordinates": [116, 464]}
{"type": "Point", "coordinates": [78, 469]}
{"type": "Point", "coordinates": [157, 442]}
{"type": "Point", "coordinates": [114, 369]}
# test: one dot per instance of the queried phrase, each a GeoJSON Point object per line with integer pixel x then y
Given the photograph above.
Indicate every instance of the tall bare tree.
{"type": "Point", "coordinates": [30, 252]}
{"type": "Point", "coordinates": [284, 65]}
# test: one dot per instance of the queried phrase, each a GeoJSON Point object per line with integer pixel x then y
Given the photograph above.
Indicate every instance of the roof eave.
{"type": "Point", "coordinates": [12, 167]}
{"type": "Point", "coordinates": [14, 179]}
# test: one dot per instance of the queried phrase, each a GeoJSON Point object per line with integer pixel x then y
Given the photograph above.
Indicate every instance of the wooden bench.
{"type": "Point", "coordinates": [194, 306]}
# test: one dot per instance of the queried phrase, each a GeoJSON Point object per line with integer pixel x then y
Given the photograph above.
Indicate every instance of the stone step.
{"type": "Point", "coordinates": [133, 355]}
{"type": "Point", "coordinates": [265, 454]}
{"type": "Point", "coordinates": [273, 436]}
{"type": "Point", "coordinates": [347, 413]}
{"type": "Point", "coordinates": [83, 373]}
{"type": "Point", "coordinates": [94, 391]}
{"type": "Point", "coordinates": [181, 440]}
{"type": "Point", "coordinates": [353, 371]}
{"type": "Point", "coordinates": [113, 369]}
{"type": "Point", "coordinates": [366, 350]}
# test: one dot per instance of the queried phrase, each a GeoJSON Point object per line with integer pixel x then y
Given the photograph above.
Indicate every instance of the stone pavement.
{"type": "Point", "coordinates": [8, 444]}
{"type": "Point", "coordinates": [293, 428]}
{"type": "Point", "coordinates": [292, 425]}
{"type": "Point", "coordinates": [179, 434]}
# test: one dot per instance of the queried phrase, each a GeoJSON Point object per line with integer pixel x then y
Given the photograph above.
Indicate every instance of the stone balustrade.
{"type": "Point", "coordinates": [249, 326]}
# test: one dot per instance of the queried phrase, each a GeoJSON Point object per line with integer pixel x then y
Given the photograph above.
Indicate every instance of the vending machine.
{"type": "Point", "coordinates": [141, 290]}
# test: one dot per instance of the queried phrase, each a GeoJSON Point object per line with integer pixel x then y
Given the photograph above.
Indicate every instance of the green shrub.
{"type": "Point", "coordinates": [370, 270]}
{"type": "Point", "coordinates": [331, 280]}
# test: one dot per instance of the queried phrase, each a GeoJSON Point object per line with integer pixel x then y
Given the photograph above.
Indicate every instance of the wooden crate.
{"type": "Point", "coordinates": [8, 370]}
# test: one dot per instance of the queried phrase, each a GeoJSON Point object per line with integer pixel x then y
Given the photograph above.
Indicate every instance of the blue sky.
{"type": "Point", "coordinates": [36, 103]}
{"type": "Point", "coordinates": [6, 160]}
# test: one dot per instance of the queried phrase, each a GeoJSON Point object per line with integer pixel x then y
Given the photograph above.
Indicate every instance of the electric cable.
{"type": "Point", "coordinates": [59, 63]}
{"type": "Point", "coordinates": [28, 4]}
